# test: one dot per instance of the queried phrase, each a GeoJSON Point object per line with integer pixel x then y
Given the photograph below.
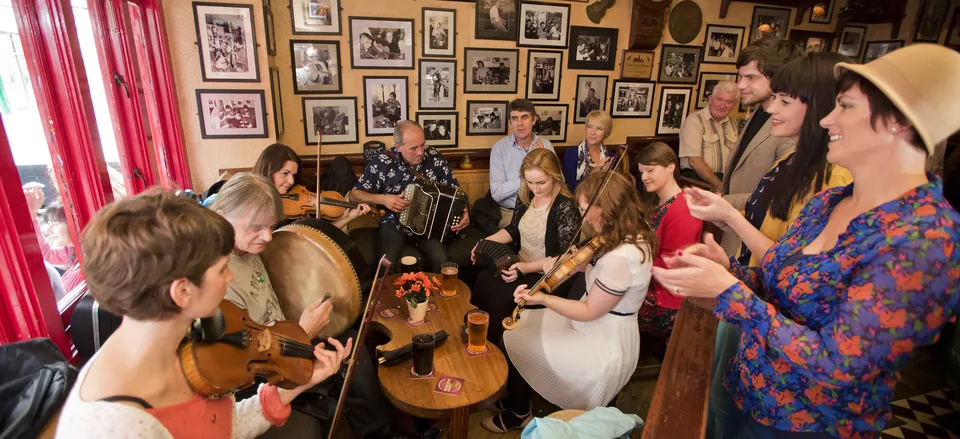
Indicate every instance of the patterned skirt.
{"type": "Point", "coordinates": [655, 320]}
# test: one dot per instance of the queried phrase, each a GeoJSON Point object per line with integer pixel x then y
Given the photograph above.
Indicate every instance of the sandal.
{"type": "Point", "coordinates": [498, 424]}
{"type": "Point", "coordinates": [497, 407]}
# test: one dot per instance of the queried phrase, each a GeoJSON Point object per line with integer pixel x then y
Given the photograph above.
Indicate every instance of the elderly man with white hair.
{"type": "Point", "coordinates": [708, 136]}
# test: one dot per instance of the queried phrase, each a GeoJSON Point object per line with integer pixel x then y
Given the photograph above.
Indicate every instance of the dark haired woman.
{"type": "Point", "coordinates": [867, 272]}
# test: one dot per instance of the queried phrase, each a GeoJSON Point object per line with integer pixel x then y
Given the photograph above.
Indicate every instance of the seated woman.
{"type": "Point", "coordinates": [160, 261]}
{"type": "Point", "coordinates": [676, 229]}
{"type": "Point", "coordinates": [578, 354]}
{"type": "Point", "coordinates": [591, 154]}
{"type": "Point", "coordinates": [544, 225]}
{"type": "Point", "coordinates": [866, 274]}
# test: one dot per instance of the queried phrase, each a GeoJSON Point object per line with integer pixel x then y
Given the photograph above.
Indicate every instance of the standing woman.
{"type": "Point", "coordinates": [590, 154]}
{"type": "Point", "coordinates": [867, 273]}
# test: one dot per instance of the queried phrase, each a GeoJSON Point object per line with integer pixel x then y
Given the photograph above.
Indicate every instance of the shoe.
{"type": "Point", "coordinates": [506, 421]}
{"type": "Point", "coordinates": [430, 433]}
{"type": "Point", "coordinates": [497, 407]}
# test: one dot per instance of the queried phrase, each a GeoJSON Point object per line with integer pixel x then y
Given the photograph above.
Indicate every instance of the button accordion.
{"type": "Point", "coordinates": [434, 208]}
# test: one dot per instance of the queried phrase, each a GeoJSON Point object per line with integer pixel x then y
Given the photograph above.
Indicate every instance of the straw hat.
{"type": "Point", "coordinates": [923, 82]}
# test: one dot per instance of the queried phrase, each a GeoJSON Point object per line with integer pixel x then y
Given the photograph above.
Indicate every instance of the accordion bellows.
{"type": "Point", "coordinates": [494, 255]}
{"type": "Point", "coordinates": [434, 208]}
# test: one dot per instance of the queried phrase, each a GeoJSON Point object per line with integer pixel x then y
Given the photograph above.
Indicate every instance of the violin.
{"type": "Point", "coordinates": [299, 202]}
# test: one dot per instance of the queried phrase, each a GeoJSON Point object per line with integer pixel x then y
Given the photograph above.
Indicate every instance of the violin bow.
{"type": "Point", "coordinates": [319, 143]}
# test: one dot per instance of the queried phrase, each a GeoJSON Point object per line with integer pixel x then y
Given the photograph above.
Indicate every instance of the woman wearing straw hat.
{"type": "Point", "coordinates": [867, 273]}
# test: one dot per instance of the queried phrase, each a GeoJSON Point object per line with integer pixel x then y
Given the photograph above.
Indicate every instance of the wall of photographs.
{"type": "Point", "coordinates": [251, 72]}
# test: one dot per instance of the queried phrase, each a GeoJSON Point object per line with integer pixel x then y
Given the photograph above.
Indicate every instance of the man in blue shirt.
{"type": "Point", "coordinates": [384, 180]}
{"type": "Point", "coordinates": [508, 153]}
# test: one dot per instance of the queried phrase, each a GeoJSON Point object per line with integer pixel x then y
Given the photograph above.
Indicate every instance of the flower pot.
{"type": "Point", "coordinates": [417, 314]}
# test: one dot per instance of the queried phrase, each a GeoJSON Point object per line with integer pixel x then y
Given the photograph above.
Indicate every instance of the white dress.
{"type": "Point", "coordinates": [583, 365]}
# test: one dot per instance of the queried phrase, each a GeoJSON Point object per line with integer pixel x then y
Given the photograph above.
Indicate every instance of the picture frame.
{"type": "Point", "coordinates": [438, 84]}
{"type": "Point", "coordinates": [386, 102]}
{"type": "Point", "coordinates": [678, 101]}
{"type": "Point", "coordinates": [679, 64]}
{"type": "Point", "coordinates": [221, 58]}
{"type": "Point", "coordinates": [767, 21]}
{"type": "Point", "coordinates": [813, 42]}
{"type": "Point", "coordinates": [876, 49]}
{"type": "Point", "coordinates": [270, 31]}
{"type": "Point", "coordinates": [637, 64]}
{"type": "Point", "coordinates": [490, 70]}
{"type": "Point", "coordinates": [632, 99]}
{"type": "Point", "coordinates": [822, 12]}
{"type": "Point", "coordinates": [220, 119]}
{"type": "Point", "coordinates": [544, 72]}
{"type": "Point", "coordinates": [498, 24]}
{"type": "Point", "coordinates": [278, 126]}
{"type": "Point", "coordinates": [552, 122]}
{"type": "Point", "coordinates": [591, 95]}
{"type": "Point", "coordinates": [375, 43]}
{"type": "Point", "coordinates": [706, 83]}
{"type": "Point", "coordinates": [851, 41]}
{"type": "Point", "coordinates": [722, 44]}
{"type": "Point", "coordinates": [486, 118]}
{"type": "Point", "coordinates": [930, 18]}
{"type": "Point", "coordinates": [336, 116]}
{"type": "Point", "coordinates": [592, 48]}
{"type": "Point", "coordinates": [316, 67]}
{"type": "Point", "coordinates": [315, 17]}
{"type": "Point", "coordinates": [439, 129]}
{"type": "Point", "coordinates": [439, 32]}
{"type": "Point", "coordinates": [543, 25]}
{"type": "Point", "coordinates": [953, 32]}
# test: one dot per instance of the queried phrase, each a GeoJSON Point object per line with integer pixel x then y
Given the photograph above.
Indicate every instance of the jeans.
{"type": "Point", "coordinates": [722, 409]}
{"type": "Point", "coordinates": [392, 241]}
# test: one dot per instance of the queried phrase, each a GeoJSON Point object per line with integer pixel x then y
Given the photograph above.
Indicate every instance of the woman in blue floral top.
{"type": "Point", "coordinates": [867, 273]}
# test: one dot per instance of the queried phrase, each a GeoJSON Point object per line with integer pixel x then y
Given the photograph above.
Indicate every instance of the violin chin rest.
{"type": "Point", "coordinates": [209, 328]}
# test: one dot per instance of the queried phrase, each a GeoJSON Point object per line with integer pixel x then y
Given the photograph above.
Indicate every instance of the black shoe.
{"type": "Point", "coordinates": [430, 433]}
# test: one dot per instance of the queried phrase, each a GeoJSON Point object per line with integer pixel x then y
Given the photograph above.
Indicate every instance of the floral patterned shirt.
{"type": "Point", "coordinates": [384, 175]}
{"type": "Point", "coordinates": [824, 335]}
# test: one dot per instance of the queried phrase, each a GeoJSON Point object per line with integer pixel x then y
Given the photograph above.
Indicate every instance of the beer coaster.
{"type": "Point", "coordinates": [486, 351]}
{"type": "Point", "coordinates": [447, 296]}
{"type": "Point", "coordinates": [389, 313]}
{"type": "Point", "coordinates": [432, 307]}
{"type": "Point", "coordinates": [414, 325]}
{"type": "Point", "coordinates": [447, 385]}
{"type": "Point", "coordinates": [413, 375]}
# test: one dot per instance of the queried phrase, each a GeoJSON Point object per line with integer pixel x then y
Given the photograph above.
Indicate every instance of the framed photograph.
{"type": "Point", "coordinates": [679, 64]}
{"type": "Point", "coordinates": [486, 117]}
{"type": "Point", "coordinates": [822, 11]}
{"type": "Point", "coordinates": [722, 44]}
{"type": "Point", "coordinates": [707, 82]}
{"type": "Point", "coordinates": [543, 75]}
{"type": "Point", "coordinates": [231, 114]}
{"type": "Point", "coordinates": [439, 129]}
{"type": "Point", "coordinates": [438, 84]}
{"type": "Point", "coordinates": [592, 48]}
{"type": "Point", "coordinates": [227, 42]}
{"type": "Point", "coordinates": [953, 33]}
{"type": "Point", "coordinates": [440, 32]}
{"type": "Point", "coordinates": [851, 41]}
{"type": "Point", "coordinates": [552, 122]}
{"type": "Point", "coordinates": [876, 49]}
{"type": "Point", "coordinates": [386, 103]}
{"type": "Point", "coordinates": [543, 25]}
{"type": "Point", "coordinates": [813, 42]}
{"type": "Point", "coordinates": [632, 98]}
{"type": "Point", "coordinates": [490, 70]}
{"type": "Point", "coordinates": [336, 118]}
{"type": "Point", "coordinates": [496, 20]}
{"type": "Point", "coordinates": [930, 18]}
{"type": "Point", "coordinates": [268, 28]}
{"type": "Point", "coordinates": [277, 100]}
{"type": "Point", "coordinates": [315, 17]}
{"type": "Point", "coordinates": [316, 67]}
{"type": "Point", "coordinates": [674, 103]}
{"type": "Point", "coordinates": [381, 43]}
{"type": "Point", "coordinates": [769, 21]}
{"type": "Point", "coordinates": [637, 64]}
{"type": "Point", "coordinates": [591, 95]}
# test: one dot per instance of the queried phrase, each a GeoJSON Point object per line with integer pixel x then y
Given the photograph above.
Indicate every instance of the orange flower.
{"type": "Point", "coordinates": [925, 210]}
{"type": "Point", "coordinates": [901, 347]}
{"type": "Point", "coordinates": [781, 367]}
{"type": "Point", "coordinates": [785, 397]}
{"type": "Point", "coordinates": [738, 309]}
{"type": "Point", "coordinates": [860, 292]}
{"type": "Point", "coordinates": [751, 353]}
{"type": "Point", "coordinates": [895, 319]}
{"type": "Point", "coordinates": [801, 418]}
{"type": "Point", "coordinates": [851, 346]}
{"type": "Point", "coordinates": [759, 382]}
{"type": "Point", "coordinates": [815, 395]}
{"type": "Point", "coordinates": [935, 319]}
{"type": "Point", "coordinates": [793, 353]}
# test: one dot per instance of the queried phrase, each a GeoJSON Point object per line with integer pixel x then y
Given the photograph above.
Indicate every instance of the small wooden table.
{"type": "Point", "coordinates": [485, 377]}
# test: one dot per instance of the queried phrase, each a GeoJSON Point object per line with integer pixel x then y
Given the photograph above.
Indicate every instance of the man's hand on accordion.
{"type": "Point", "coordinates": [395, 203]}
{"type": "Point", "coordinates": [464, 222]}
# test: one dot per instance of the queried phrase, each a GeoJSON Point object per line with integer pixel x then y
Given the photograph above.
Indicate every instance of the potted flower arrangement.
{"type": "Point", "coordinates": [415, 289]}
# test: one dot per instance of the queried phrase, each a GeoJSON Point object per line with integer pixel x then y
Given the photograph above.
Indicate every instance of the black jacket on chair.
{"type": "Point", "coordinates": [35, 380]}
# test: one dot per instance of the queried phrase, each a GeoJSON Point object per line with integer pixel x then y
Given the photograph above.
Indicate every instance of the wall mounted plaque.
{"type": "Point", "coordinates": [686, 19]}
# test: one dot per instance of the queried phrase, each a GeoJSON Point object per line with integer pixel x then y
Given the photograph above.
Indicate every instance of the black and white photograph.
{"type": "Point", "coordinates": [632, 98]}
{"type": "Point", "coordinates": [439, 129]}
{"type": "Point", "coordinates": [440, 32]}
{"type": "Point", "coordinates": [876, 49]}
{"type": "Point", "coordinates": [722, 44]}
{"type": "Point", "coordinates": [543, 75]}
{"type": "Point", "coordinates": [381, 43]}
{"type": "Point", "coordinates": [232, 114]}
{"type": "Point", "coordinates": [277, 100]}
{"type": "Point", "coordinates": [438, 84]}
{"type": "Point", "coordinates": [496, 20]}
{"type": "Point", "coordinates": [707, 82]}
{"type": "Point", "coordinates": [851, 41]}
{"type": "Point", "coordinates": [227, 42]}
{"type": "Point", "coordinates": [591, 95]}
{"type": "Point", "coordinates": [543, 25]}
{"type": "Point", "coordinates": [490, 70]}
{"type": "Point", "coordinates": [930, 18]}
{"type": "Point", "coordinates": [316, 66]}
{"type": "Point", "coordinates": [385, 103]}
{"type": "Point", "coordinates": [336, 118]}
{"type": "Point", "coordinates": [769, 21]}
{"type": "Point", "coordinates": [552, 122]}
{"type": "Point", "coordinates": [486, 117]}
{"type": "Point", "coordinates": [315, 17]}
{"type": "Point", "coordinates": [822, 11]}
{"type": "Point", "coordinates": [813, 42]}
{"type": "Point", "coordinates": [592, 48]}
{"type": "Point", "coordinates": [674, 103]}
{"type": "Point", "coordinates": [679, 64]}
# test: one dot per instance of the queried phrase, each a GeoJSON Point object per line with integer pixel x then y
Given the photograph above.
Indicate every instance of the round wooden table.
{"type": "Point", "coordinates": [484, 377]}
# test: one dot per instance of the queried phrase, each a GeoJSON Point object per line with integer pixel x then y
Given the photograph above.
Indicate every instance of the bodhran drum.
{"type": "Point", "coordinates": [307, 260]}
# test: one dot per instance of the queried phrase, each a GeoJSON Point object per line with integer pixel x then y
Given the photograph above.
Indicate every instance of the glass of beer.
{"type": "Point", "coordinates": [423, 345]}
{"type": "Point", "coordinates": [477, 323]}
{"type": "Point", "coordinates": [408, 264]}
{"type": "Point", "coordinates": [449, 270]}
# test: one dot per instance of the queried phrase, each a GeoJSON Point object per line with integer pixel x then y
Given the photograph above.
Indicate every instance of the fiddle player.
{"type": "Point", "coordinates": [160, 261]}
{"type": "Point", "coordinates": [384, 180]}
